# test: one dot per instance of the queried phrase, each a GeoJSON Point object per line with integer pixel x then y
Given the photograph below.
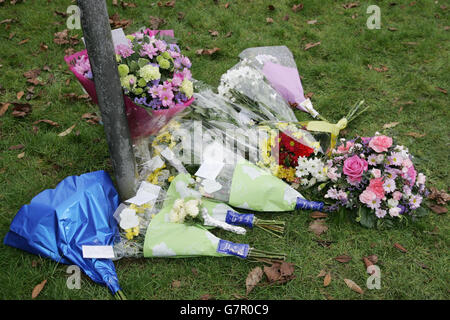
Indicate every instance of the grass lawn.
{"type": "Point", "coordinates": [412, 45]}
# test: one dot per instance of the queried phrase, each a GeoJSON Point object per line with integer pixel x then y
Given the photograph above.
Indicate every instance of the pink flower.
{"type": "Point", "coordinates": [376, 186]}
{"type": "Point", "coordinates": [407, 163]}
{"type": "Point", "coordinates": [397, 195]}
{"type": "Point", "coordinates": [176, 81]}
{"type": "Point", "coordinates": [380, 213]}
{"type": "Point", "coordinates": [412, 174]}
{"type": "Point", "coordinates": [343, 148]}
{"type": "Point", "coordinates": [415, 201]}
{"type": "Point", "coordinates": [166, 98]}
{"type": "Point", "coordinates": [367, 197]}
{"type": "Point", "coordinates": [380, 143]}
{"type": "Point", "coordinates": [421, 178]}
{"type": "Point", "coordinates": [160, 45]}
{"type": "Point", "coordinates": [394, 212]}
{"type": "Point", "coordinates": [148, 50]}
{"type": "Point", "coordinates": [124, 51]}
{"type": "Point", "coordinates": [354, 167]}
{"type": "Point", "coordinates": [376, 173]}
{"type": "Point", "coordinates": [332, 174]}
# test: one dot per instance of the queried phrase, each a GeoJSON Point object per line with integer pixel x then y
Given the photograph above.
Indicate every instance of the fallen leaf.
{"type": "Point", "coordinates": [16, 147]}
{"type": "Point", "coordinates": [309, 95]}
{"type": "Point", "coordinates": [253, 278]}
{"type": "Point", "coordinates": [21, 110]}
{"type": "Point", "coordinates": [327, 280]}
{"type": "Point", "coordinates": [207, 297]}
{"type": "Point", "coordinates": [410, 43]}
{"type": "Point", "coordinates": [392, 29]}
{"type": "Point", "coordinates": [286, 18]}
{"type": "Point", "coordinates": [343, 258]}
{"type": "Point", "coordinates": [311, 22]}
{"type": "Point", "coordinates": [181, 16]}
{"type": "Point", "coordinates": [37, 290]}
{"type": "Point", "coordinates": [350, 5]}
{"type": "Point", "coordinates": [442, 90]}
{"type": "Point", "coordinates": [415, 134]}
{"type": "Point", "coordinates": [390, 125]}
{"type": "Point", "coordinates": [170, 4]}
{"type": "Point", "coordinates": [399, 247]}
{"type": "Point", "coordinates": [382, 69]}
{"type": "Point", "coordinates": [297, 7]}
{"type": "Point", "coordinates": [367, 262]}
{"type": "Point", "coordinates": [176, 284]}
{"type": "Point", "coordinates": [318, 215]}
{"type": "Point", "coordinates": [213, 33]}
{"type": "Point", "coordinates": [239, 297]}
{"type": "Point", "coordinates": [273, 272]}
{"type": "Point", "coordinates": [208, 52]}
{"type": "Point", "coordinates": [311, 45]}
{"type": "Point", "coordinates": [269, 20]}
{"type": "Point", "coordinates": [67, 131]}
{"type": "Point", "coordinates": [11, 35]}
{"type": "Point", "coordinates": [24, 41]}
{"type": "Point", "coordinates": [318, 227]}
{"type": "Point", "coordinates": [227, 5]}
{"type": "Point", "coordinates": [116, 22]}
{"type": "Point", "coordinates": [20, 95]}
{"type": "Point", "coordinates": [438, 209]}
{"type": "Point", "coordinates": [61, 37]}
{"type": "Point", "coordinates": [287, 269]}
{"type": "Point", "coordinates": [21, 155]}
{"type": "Point", "coordinates": [324, 243]}
{"type": "Point", "coordinates": [352, 285]}
{"type": "Point", "coordinates": [4, 108]}
{"type": "Point", "coordinates": [373, 258]}
{"type": "Point", "coordinates": [50, 122]}
{"type": "Point", "coordinates": [322, 273]}
{"type": "Point", "coordinates": [229, 33]}
{"type": "Point", "coordinates": [127, 5]}
{"type": "Point", "coordinates": [441, 197]}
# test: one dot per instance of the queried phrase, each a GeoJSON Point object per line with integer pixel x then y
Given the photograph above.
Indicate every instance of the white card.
{"type": "Point", "coordinates": [209, 170]}
{"type": "Point", "coordinates": [98, 252]}
{"type": "Point", "coordinates": [155, 163]}
{"type": "Point", "coordinates": [147, 192]}
{"type": "Point", "coordinates": [118, 37]}
{"type": "Point", "coordinates": [168, 154]}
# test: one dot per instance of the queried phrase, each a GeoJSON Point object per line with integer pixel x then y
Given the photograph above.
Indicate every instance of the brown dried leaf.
{"type": "Point", "coordinates": [350, 5]}
{"type": "Point", "coordinates": [213, 33]}
{"type": "Point", "coordinates": [16, 147]}
{"type": "Point", "coordinates": [21, 155]}
{"type": "Point", "coordinates": [208, 52]}
{"type": "Point", "coordinates": [67, 131]}
{"type": "Point", "coordinates": [229, 33]}
{"type": "Point", "coordinates": [297, 7]}
{"type": "Point", "coordinates": [373, 258]}
{"type": "Point", "coordinates": [61, 37]}
{"type": "Point", "coordinates": [287, 269]}
{"type": "Point", "coordinates": [415, 134]}
{"type": "Point", "coordinates": [181, 15]}
{"type": "Point", "coordinates": [37, 290]}
{"type": "Point", "coordinates": [311, 45]}
{"type": "Point", "coordinates": [116, 22]}
{"type": "Point", "coordinates": [24, 41]}
{"type": "Point", "coordinates": [352, 285]}
{"type": "Point", "coordinates": [322, 273]}
{"type": "Point", "coordinates": [286, 18]}
{"type": "Point", "coordinates": [50, 122]}
{"type": "Point", "coordinates": [269, 20]}
{"type": "Point", "coordinates": [390, 125]}
{"type": "Point", "coordinates": [438, 209]}
{"type": "Point", "coordinates": [273, 272]}
{"type": "Point", "coordinates": [392, 29]}
{"type": "Point", "coordinates": [20, 95]}
{"type": "Point", "coordinates": [31, 74]}
{"type": "Point", "coordinates": [176, 284]}
{"type": "Point", "coordinates": [399, 247]}
{"type": "Point", "coordinates": [311, 22]}
{"type": "Point", "coordinates": [207, 297]}
{"type": "Point", "coordinates": [21, 110]}
{"type": "Point", "coordinates": [156, 22]}
{"type": "Point", "coordinates": [382, 69]}
{"type": "Point", "coordinates": [253, 278]}
{"type": "Point", "coordinates": [327, 280]}
{"type": "Point", "coordinates": [318, 227]}
{"type": "Point", "coordinates": [343, 258]}
{"type": "Point", "coordinates": [441, 197]}
{"type": "Point", "coordinates": [367, 262]}
{"type": "Point", "coordinates": [318, 215]}
{"type": "Point", "coordinates": [442, 90]}
{"type": "Point", "coordinates": [127, 5]}
{"type": "Point", "coordinates": [170, 4]}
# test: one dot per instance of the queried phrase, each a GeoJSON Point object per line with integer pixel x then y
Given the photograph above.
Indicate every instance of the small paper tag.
{"type": "Point", "coordinates": [155, 163]}
{"type": "Point", "coordinates": [209, 170]}
{"type": "Point", "coordinates": [147, 192]}
{"type": "Point", "coordinates": [307, 105]}
{"type": "Point", "coordinates": [168, 154]}
{"type": "Point", "coordinates": [98, 252]}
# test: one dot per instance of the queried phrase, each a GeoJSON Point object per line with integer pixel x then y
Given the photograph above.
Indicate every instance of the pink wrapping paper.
{"type": "Point", "coordinates": [286, 81]}
{"type": "Point", "coordinates": [141, 122]}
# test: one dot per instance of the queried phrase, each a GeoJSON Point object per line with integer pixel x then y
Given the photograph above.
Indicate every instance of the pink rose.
{"type": "Point", "coordinates": [354, 167]}
{"type": "Point", "coordinates": [407, 163]}
{"type": "Point", "coordinates": [376, 186]}
{"type": "Point", "coordinates": [397, 195]}
{"type": "Point", "coordinates": [344, 148]}
{"type": "Point", "coordinates": [367, 196]}
{"type": "Point", "coordinates": [380, 143]}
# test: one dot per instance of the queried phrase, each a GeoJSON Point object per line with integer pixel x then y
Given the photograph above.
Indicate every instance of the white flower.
{"type": "Point", "coordinates": [394, 212]}
{"type": "Point", "coordinates": [128, 219]}
{"type": "Point", "coordinates": [191, 208]}
{"type": "Point", "coordinates": [392, 203]}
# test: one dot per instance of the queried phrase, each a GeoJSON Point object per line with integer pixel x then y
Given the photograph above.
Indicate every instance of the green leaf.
{"type": "Point", "coordinates": [143, 62]}
{"type": "Point", "coordinates": [367, 218]}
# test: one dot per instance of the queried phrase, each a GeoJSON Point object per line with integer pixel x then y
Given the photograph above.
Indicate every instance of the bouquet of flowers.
{"type": "Point", "coordinates": [154, 75]}
{"type": "Point", "coordinates": [377, 179]}
{"type": "Point", "coordinates": [180, 229]}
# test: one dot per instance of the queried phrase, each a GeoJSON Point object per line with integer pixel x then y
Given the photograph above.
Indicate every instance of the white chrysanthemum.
{"type": "Point", "coordinates": [191, 208]}
{"type": "Point", "coordinates": [128, 219]}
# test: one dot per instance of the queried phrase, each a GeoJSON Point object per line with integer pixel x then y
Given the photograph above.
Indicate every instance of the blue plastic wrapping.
{"type": "Point", "coordinates": [239, 219]}
{"type": "Point", "coordinates": [58, 222]}
{"type": "Point", "coordinates": [303, 204]}
{"type": "Point", "coordinates": [236, 249]}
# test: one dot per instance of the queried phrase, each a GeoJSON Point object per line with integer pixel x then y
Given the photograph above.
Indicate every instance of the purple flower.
{"type": "Point", "coordinates": [186, 62]}
{"type": "Point", "coordinates": [415, 201]}
{"type": "Point", "coordinates": [148, 50]}
{"type": "Point", "coordinates": [160, 45]}
{"type": "Point", "coordinates": [124, 51]}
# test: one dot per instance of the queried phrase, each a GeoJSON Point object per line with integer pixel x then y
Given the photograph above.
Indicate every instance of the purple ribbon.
{"type": "Point", "coordinates": [239, 219]}
{"type": "Point", "coordinates": [236, 249]}
{"type": "Point", "coordinates": [303, 204]}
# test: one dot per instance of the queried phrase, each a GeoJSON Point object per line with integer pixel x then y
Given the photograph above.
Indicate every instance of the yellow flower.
{"type": "Point", "coordinates": [171, 178]}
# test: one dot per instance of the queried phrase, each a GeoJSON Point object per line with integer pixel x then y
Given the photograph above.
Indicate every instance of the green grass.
{"type": "Point", "coordinates": [335, 71]}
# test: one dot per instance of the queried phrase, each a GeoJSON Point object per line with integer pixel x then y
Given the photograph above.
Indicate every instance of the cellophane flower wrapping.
{"type": "Point", "coordinates": [155, 77]}
{"type": "Point", "coordinates": [376, 179]}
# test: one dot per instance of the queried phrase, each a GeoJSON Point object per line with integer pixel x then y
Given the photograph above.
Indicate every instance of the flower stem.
{"type": "Point", "coordinates": [119, 295]}
{"type": "Point", "coordinates": [260, 254]}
